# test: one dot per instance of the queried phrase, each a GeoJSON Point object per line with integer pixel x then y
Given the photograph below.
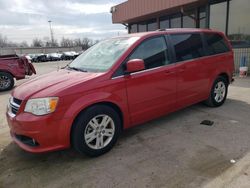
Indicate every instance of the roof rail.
{"type": "Point", "coordinates": [161, 30]}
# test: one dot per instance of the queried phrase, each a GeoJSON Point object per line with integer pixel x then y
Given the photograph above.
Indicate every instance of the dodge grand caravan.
{"type": "Point", "coordinates": [117, 84]}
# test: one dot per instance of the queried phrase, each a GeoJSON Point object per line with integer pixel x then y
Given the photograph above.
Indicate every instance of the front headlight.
{"type": "Point", "coordinates": [41, 106]}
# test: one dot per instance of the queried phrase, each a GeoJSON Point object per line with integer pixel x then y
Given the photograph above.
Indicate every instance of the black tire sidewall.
{"type": "Point", "coordinates": [81, 122]}
{"type": "Point", "coordinates": [212, 94]}
{"type": "Point", "coordinates": [11, 80]}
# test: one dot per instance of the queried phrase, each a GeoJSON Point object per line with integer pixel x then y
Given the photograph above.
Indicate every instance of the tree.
{"type": "Point", "coordinates": [77, 42]}
{"type": "Point", "coordinates": [65, 42]}
{"type": "Point", "coordinates": [55, 43]}
{"type": "Point", "coordinates": [3, 41]}
{"type": "Point", "coordinates": [86, 43]}
{"type": "Point", "coordinates": [37, 43]}
{"type": "Point", "coordinates": [47, 42]}
{"type": "Point", "coordinates": [24, 44]}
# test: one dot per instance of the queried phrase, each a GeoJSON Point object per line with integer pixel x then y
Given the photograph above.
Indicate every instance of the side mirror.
{"type": "Point", "coordinates": [135, 65]}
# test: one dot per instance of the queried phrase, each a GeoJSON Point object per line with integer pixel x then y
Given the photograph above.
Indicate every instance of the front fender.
{"type": "Point", "coordinates": [88, 100]}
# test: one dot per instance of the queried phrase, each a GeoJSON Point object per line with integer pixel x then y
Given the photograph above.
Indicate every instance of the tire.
{"type": "Point", "coordinates": [88, 130]}
{"type": "Point", "coordinates": [6, 81]}
{"type": "Point", "coordinates": [218, 93]}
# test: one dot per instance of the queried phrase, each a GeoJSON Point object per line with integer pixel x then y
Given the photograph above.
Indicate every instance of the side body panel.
{"type": "Point", "coordinates": [151, 93]}
{"type": "Point", "coordinates": [17, 67]}
{"type": "Point", "coordinates": [190, 83]}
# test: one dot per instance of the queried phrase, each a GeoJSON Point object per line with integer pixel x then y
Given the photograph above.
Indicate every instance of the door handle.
{"type": "Point", "coordinates": [182, 69]}
{"type": "Point", "coordinates": [167, 72]}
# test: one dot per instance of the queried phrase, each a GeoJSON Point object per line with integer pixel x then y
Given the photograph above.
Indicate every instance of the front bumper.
{"type": "Point", "coordinates": [45, 132]}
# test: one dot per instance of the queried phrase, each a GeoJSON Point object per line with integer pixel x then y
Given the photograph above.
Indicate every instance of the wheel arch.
{"type": "Point", "coordinates": [107, 103]}
{"type": "Point", "coordinates": [7, 71]}
{"type": "Point", "coordinates": [217, 74]}
{"type": "Point", "coordinates": [225, 75]}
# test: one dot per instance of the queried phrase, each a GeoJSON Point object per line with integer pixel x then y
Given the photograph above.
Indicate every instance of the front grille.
{"type": "Point", "coordinates": [14, 110]}
{"type": "Point", "coordinates": [17, 101]}
{"type": "Point", "coordinates": [14, 105]}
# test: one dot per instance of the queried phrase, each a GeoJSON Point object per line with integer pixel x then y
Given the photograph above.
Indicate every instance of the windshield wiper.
{"type": "Point", "coordinates": [76, 69]}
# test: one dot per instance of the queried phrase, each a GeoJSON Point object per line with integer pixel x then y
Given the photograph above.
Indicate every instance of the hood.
{"type": "Point", "coordinates": [52, 83]}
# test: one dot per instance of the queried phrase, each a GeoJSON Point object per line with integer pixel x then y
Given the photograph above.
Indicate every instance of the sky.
{"type": "Point", "coordinates": [23, 20]}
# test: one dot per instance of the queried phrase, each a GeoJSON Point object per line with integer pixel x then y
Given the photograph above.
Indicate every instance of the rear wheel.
{"type": "Point", "coordinates": [96, 130]}
{"type": "Point", "coordinates": [218, 92]}
{"type": "Point", "coordinates": [6, 81]}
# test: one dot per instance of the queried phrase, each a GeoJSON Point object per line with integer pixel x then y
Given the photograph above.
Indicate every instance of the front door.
{"type": "Point", "coordinates": [151, 92]}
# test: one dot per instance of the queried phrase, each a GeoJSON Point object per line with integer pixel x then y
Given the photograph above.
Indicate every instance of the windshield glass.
{"type": "Point", "coordinates": [100, 57]}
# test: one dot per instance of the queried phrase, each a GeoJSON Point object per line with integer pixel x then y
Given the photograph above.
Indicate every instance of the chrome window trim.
{"type": "Point", "coordinates": [142, 71]}
{"type": "Point", "coordinates": [146, 70]}
{"type": "Point", "coordinates": [113, 78]}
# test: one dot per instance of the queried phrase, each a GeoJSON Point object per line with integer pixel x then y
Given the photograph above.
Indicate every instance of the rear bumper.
{"type": "Point", "coordinates": [47, 133]}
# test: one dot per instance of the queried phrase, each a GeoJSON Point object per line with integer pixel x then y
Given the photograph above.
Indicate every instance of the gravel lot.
{"type": "Point", "coordinates": [173, 151]}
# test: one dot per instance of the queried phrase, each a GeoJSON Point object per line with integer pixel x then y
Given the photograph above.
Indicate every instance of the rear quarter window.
{"type": "Point", "coordinates": [216, 44]}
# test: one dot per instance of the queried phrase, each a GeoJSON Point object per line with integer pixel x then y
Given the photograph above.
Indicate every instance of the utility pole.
{"type": "Point", "coordinates": [51, 32]}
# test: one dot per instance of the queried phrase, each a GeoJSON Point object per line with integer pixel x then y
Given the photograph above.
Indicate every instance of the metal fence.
{"type": "Point", "coordinates": [19, 51]}
{"type": "Point", "coordinates": [239, 53]}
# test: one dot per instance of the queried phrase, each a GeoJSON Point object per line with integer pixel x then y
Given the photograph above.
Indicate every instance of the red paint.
{"type": "Point", "coordinates": [18, 67]}
{"type": "Point", "coordinates": [135, 65]}
{"type": "Point", "coordinates": [139, 96]}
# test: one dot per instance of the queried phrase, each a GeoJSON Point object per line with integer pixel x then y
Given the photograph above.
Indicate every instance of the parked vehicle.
{"type": "Point", "coordinates": [54, 57]}
{"type": "Point", "coordinates": [40, 58]}
{"type": "Point", "coordinates": [69, 55]}
{"type": "Point", "coordinates": [117, 84]}
{"type": "Point", "coordinates": [12, 66]}
{"type": "Point", "coordinates": [75, 54]}
{"type": "Point", "coordinates": [28, 57]}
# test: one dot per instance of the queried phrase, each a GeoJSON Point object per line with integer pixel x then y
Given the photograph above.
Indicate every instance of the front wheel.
{"type": "Point", "coordinates": [96, 130]}
{"type": "Point", "coordinates": [218, 93]}
{"type": "Point", "coordinates": [6, 81]}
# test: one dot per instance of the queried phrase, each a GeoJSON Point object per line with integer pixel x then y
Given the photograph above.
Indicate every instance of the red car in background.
{"type": "Point", "coordinates": [117, 84]}
{"type": "Point", "coordinates": [12, 66]}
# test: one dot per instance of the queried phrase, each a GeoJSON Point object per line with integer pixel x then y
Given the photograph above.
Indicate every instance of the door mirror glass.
{"type": "Point", "coordinates": [135, 65]}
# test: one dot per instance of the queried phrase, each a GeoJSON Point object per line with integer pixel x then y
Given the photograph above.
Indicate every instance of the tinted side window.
{"type": "Point", "coordinates": [216, 44]}
{"type": "Point", "coordinates": [153, 52]}
{"type": "Point", "coordinates": [187, 46]}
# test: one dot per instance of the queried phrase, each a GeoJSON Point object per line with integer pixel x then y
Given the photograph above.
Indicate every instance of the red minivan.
{"type": "Point", "coordinates": [117, 84]}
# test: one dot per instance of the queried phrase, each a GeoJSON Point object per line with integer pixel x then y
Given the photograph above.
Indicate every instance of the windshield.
{"type": "Point", "coordinates": [103, 55]}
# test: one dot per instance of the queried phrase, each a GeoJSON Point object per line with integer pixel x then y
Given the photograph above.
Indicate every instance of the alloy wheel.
{"type": "Point", "coordinates": [5, 82]}
{"type": "Point", "coordinates": [99, 131]}
{"type": "Point", "coordinates": [219, 92]}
